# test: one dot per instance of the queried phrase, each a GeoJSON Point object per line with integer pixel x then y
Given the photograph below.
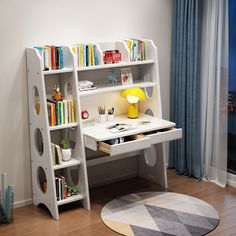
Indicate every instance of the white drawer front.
{"type": "Point", "coordinates": [141, 143]}
{"type": "Point", "coordinates": [166, 135]}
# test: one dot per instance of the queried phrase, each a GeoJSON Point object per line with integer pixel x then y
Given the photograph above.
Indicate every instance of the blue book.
{"type": "Point", "coordinates": [87, 55]}
{"type": "Point", "coordinates": [95, 55]}
{"type": "Point", "coordinates": [61, 58]}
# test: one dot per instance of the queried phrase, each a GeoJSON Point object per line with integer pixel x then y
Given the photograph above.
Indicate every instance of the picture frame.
{"type": "Point", "coordinates": [126, 76]}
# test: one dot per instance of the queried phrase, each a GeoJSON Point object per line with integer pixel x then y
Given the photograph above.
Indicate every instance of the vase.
{"type": "Point", "coordinates": [66, 154]}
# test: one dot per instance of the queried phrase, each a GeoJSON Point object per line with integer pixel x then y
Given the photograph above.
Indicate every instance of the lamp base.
{"type": "Point", "coordinates": [132, 111]}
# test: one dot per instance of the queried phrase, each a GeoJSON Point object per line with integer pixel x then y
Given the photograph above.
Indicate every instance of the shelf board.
{"type": "Point", "coordinates": [64, 126]}
{"type": "Point", "coordinates": [65, 164]}
{"type": "Point", "coordinates": [70, 199]}
{"type": "Point", "coordinates": [120, 64]}
{"type": "Point", "coordinates": [114, 88]}
{"type": "Point", "coordinates": [52, 72]}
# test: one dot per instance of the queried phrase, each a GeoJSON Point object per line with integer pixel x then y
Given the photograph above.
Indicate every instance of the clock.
{"type": "Point", "coordinates": [85, 114]}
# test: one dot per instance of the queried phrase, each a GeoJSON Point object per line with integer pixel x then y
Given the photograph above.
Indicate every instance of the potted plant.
{"type": "Point", "coordinates": [65, 150]}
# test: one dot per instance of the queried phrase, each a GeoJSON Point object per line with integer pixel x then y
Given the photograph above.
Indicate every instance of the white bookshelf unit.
{"type": "Point", "coordinates": [90, 136]}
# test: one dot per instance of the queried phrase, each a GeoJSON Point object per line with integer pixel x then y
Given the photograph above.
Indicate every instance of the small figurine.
{"type": "Point", "coordinates": [112, 78]}
{"type": "Point", "coordinates": [57, 94]}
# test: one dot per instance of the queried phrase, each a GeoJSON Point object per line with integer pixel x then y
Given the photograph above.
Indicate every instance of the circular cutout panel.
{"type": "Point", "coordinates": [36, 100]}
{"type": "Point", "coordinates": [148, 90]}
{"type": "Point", "coordinates": [42, 179]}
{"type": "Point", "coordinates": [150, 156]}
{"type": "Point", "coordinates": [68, 90]}
{"type": "Point", "coordinates": [149, 112]}
{"type": "Point", "coordinates": [38, 141]}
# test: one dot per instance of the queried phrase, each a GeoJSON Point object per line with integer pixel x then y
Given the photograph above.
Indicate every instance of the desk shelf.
{"type": "Point", "coordinates": [108, 89]}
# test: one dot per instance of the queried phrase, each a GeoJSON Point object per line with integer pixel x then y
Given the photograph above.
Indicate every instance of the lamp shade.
{"type": "Point", "coordinates": [136, 92]}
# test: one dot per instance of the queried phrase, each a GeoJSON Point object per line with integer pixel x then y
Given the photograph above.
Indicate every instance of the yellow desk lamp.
{"type": "Point", "coordinates": [133, 95]}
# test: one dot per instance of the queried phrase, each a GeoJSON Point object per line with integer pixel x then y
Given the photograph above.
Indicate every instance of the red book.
{"type": "Point", "coordinates": [53, 57]}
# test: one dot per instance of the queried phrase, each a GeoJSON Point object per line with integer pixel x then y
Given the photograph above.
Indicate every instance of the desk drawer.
{"type": "Point", "coordinates": [164, 135]}
{"type": "Point", "coordinates": [136, 142]}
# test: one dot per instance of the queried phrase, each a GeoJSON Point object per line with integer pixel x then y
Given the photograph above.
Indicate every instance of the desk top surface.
{"type": "Point", "coordinates": [109, 130]}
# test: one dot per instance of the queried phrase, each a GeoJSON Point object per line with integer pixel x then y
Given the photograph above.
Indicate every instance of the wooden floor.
{"type": "Point", "coordinates": [75, 220]}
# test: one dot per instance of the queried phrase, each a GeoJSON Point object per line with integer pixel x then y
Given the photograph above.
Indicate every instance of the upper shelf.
{"type": "Point", "coordinates": [64, 70]}
{"type": "Point", "coordinates": [108, 89]}
{"type": "Point", "coordinates": [120, 64]}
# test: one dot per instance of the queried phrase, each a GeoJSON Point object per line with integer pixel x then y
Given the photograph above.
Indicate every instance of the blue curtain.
{"type": "Point", "coordinates": [185, 154]}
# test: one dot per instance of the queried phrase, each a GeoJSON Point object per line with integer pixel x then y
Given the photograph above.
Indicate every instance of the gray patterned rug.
{"type": "Point", "coordinates": [159, 213]}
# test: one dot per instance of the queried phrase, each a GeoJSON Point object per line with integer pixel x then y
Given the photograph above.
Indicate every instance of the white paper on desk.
{"type": "Point", "coordinates": [117, 128]}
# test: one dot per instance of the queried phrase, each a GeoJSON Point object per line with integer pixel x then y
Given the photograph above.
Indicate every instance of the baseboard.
{"type": "Point", "coordinates": [23, 203]}
{"type": "Point", "coordinates": [231, 180]}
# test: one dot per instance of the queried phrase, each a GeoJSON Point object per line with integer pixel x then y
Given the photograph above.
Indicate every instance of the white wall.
{"type": "Point", "coordinates": [30, 22]}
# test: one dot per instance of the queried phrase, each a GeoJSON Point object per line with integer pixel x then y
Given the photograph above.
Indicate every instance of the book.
{"type": "Point", "coordinates": [53, 149]}
{"type": "Point", "coordinates": [117, 128]}
{"type": "Point", "coordinates": [65, 107]}
{"type": "Point", "coordinates": [58, 155]}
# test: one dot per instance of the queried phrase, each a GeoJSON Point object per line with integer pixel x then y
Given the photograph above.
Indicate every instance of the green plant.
{"type": "Point", "coordinates": [65, 143]}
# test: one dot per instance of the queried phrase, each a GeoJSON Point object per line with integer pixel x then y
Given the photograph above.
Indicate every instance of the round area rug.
{"type": "Point", "coordinates": [159, 213]}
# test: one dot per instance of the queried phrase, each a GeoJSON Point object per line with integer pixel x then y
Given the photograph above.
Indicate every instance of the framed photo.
{"type": "Point", "coordinates": [126, 76]}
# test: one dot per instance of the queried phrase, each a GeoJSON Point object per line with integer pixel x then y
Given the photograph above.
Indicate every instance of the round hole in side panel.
{"type": "Point", "coordinates": [150, 156]}
{"type": "Point", "coordinates": [36, 100]}
{"type": "Point", "coordinates": [68, 90]}
{"type": "Point", "coordinates": [38, 141]}
{"type": "Point", "coordinates": [149, 112]}
{"type": "Point", "coordinates": [148, 90]}
{"type": "Point", "coordinates": [42, 179]}
{"type": "Point", "coordinates": [72, 175]}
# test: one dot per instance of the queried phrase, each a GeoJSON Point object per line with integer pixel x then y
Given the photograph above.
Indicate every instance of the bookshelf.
{"type": "Point", "coordinates": [40, 87]}
{"type": "Point", "coordinates": [89, 136]}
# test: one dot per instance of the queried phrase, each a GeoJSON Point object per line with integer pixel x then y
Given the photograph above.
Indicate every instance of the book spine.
{"type": "Point", "coordinates": [81, 55]}
{"type": "Point", "coordinates": [69, 111]}
{"type": "Point", "coordinates": [72, 111]}
{"type": "Point", "coordinates": [58, 113]}
{"type": "Point", "coordinates": [61, 58]}
{"type": "Point", "coordinates": [61, 113]}
{"type": "Point", "coordinates": [53, 57]}
{"type": "Point", "coordinates": [84, 55]}
{"type": "Point", "coordinates": [46, 59]}
{"type": "Point", "coordinates": [57, 187]}
{"type": "Point", "coordinates": [53, 153]}
{"type": "Point", "coordinates": [65, 106]}
{"type": "Point", "coordinates": [91, 55]}
{"type": "Point", "coordinates": [95, 55]}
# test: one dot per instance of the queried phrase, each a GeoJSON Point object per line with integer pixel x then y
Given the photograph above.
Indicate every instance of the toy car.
{"type": "Point", "coordinates": [111, 56]}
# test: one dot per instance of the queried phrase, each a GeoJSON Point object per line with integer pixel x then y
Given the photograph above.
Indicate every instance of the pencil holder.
{"type": "Point", "coordinates": [110, 117]}
{"type": "Point", "coordinates": [102, 118]}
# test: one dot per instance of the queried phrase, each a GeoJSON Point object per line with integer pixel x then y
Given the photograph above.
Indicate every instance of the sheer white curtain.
{"type": "Point", "coordinates": [214, 89]}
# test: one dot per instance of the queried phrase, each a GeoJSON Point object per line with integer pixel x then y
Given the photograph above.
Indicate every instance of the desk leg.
{"type": "Point", "coordinates": [155, 172]}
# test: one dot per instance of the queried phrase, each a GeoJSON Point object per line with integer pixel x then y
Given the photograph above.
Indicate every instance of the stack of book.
{"type": "Point", "coordinates": [64, 191]}
{"type": "Point", "coordinates": [137, 49]}
{"type": "Point", "coordinates": [52, 57]}
{"type": "Point", "coordinates": [6, 200]}
{"type": "Point", "coordinates": [61, 187]}
{"type": "Point", "coordinates": [56, 154]}
{"type": "Point", "coordinates": [60, 112]}
{"type": "Point", "coordinates": [86, 54]}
